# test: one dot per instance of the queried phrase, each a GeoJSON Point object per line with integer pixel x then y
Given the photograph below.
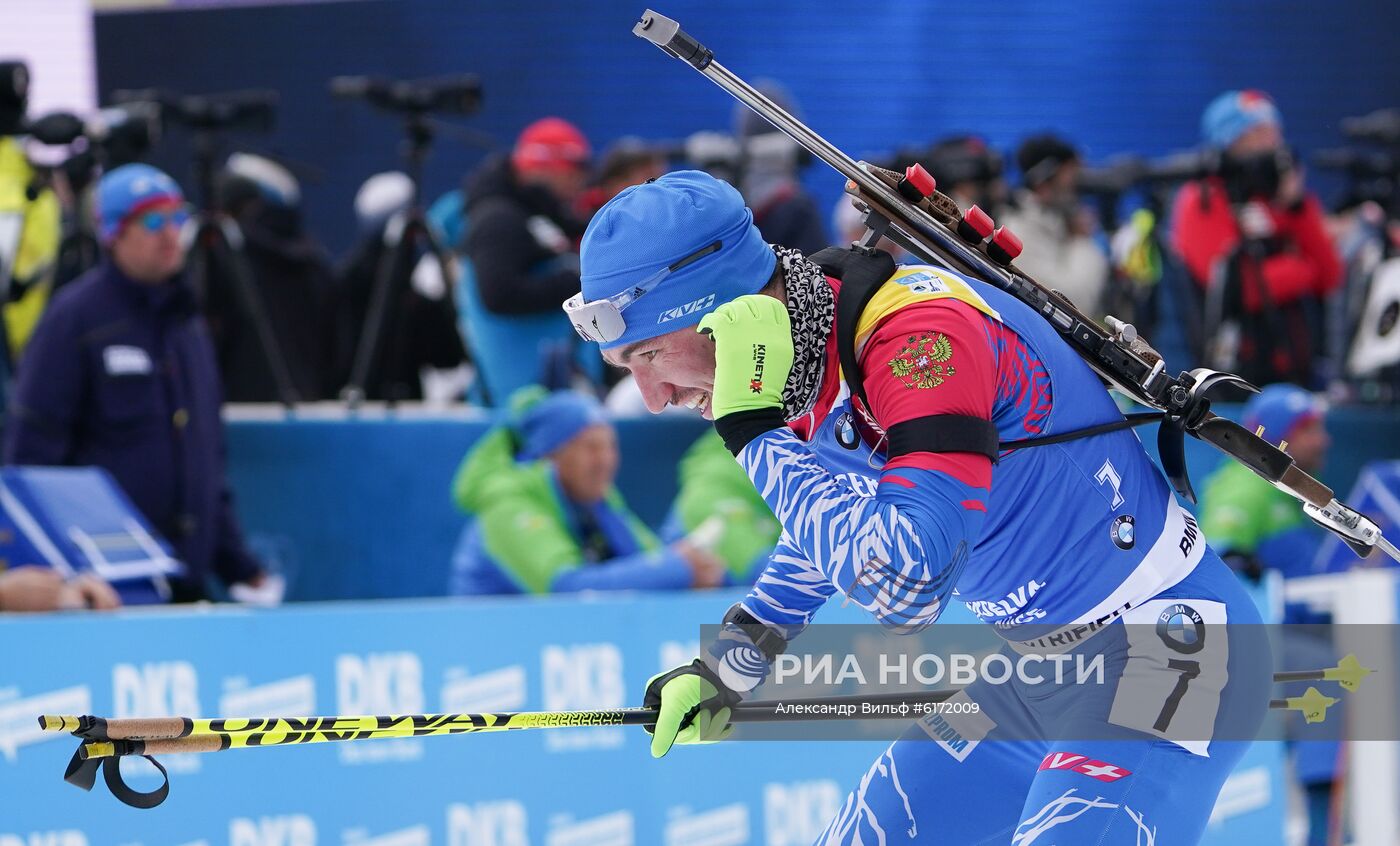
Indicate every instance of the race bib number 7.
{"type": "Point", "coordinates": [1177, 668]}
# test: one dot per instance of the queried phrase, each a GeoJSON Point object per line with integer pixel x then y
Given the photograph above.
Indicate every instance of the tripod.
{"type": "Point", "coordinates": [78, 250]}
{"type": "Point", "coordinates": [381, 356]}
{"type": "Point", "coordinates": [406, 237]}
{"type": "Point", "coordinates": [217, 267]}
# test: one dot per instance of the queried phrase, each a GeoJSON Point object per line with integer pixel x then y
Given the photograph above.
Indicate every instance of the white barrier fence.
{"type": "Point", "coordinates": [1366, 597]}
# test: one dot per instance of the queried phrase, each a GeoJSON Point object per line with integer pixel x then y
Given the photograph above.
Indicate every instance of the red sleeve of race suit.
{"type": "Point", "coordinates": [904, 382]}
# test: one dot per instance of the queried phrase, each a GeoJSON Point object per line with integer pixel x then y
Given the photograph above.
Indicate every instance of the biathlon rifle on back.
{"type": "Point", "coordinates": [908, 209]}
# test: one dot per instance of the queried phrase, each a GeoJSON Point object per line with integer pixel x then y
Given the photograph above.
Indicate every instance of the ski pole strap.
{"type": "Point", "coordinates": [82, 770]}
{"type": "Point", "coordinates": [769, 641]}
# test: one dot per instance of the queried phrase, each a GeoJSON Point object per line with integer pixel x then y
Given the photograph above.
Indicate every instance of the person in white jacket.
{"type": "Point", "coordinates": [1055, 228]}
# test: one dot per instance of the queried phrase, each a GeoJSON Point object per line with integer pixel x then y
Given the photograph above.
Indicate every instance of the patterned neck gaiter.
{"type": "Point", "coordinates": [811, 308]}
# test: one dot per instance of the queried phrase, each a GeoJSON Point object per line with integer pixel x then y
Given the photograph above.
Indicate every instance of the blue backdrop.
{"type": "Point", "coordinates": [359, 508]}
{"type": "Point", "coordinates": [871, 76]}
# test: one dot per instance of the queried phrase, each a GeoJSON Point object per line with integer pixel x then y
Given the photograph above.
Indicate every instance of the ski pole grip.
{"type": "Point", "coordinates": [668, 35]}
{"type": "Point", "coordinates": [147, 728]}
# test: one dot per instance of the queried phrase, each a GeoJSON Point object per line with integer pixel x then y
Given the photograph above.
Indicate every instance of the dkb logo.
{"type": "Point", "coordinates": [159, 689]}
{"type": "Point", "coordinates": [285, 830]}
{"type": "Point", "coordinates": [487, 824]}
{"type": "Point", "coordinates": [379, 683]}
{"type": "Point", "coordinates": [796, 813]}
{"type": "Point", "coordinates": [583, 676]}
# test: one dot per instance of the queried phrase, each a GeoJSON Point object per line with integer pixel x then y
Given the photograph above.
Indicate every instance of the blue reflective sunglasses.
{"type": "Point", "coordinates": [155, 221]}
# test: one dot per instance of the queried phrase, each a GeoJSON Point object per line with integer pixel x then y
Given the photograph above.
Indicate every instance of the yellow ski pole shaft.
{"type": "Point", "coordinates": [290, 732]}
{"type": "Point", "coordinates": [108, 738]}
{"type": "Point", "coordinates": [410, 725]}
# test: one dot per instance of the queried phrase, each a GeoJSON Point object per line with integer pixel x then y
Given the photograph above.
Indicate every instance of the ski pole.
{"type": "Point", "coordinates": [166, 734]}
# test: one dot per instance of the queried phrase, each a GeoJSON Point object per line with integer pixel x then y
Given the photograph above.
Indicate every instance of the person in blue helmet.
{"type": "Point", "coordinates": [1256, 242]}
{"type": "Point", "coordinates": [121, 374]}
{"type": "Point", "coordinates": [901, 500]}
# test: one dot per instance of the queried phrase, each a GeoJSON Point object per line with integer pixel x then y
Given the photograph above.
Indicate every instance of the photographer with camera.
{"type": "Point", "coordinates": [626, 162]}
{"type": "Point", "coordinates": [1254, 240]}
{"type": "Point", "coordinates": [967, 170]}
{"type": "Point", "coordinates": [769, 169]}
{"type": "Point", "coordinates": [293, 276]}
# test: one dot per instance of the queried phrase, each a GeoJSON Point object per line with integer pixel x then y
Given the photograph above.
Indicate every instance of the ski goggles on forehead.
{"type": "Point", "coordinates": [601, 321]}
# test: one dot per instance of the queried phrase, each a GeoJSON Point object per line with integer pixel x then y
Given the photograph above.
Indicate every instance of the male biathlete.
{"type": "Point", "coordinates": [906, 499]}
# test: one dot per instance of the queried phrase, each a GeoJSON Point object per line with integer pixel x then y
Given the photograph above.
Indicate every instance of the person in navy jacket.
{"type": "Point", "coordinates": [121, 374]}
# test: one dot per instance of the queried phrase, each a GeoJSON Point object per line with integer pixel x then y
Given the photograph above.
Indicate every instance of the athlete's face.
{"type": "Point", "coordinates": [673, 369]}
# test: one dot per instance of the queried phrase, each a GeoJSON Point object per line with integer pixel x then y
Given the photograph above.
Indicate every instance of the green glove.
{"type": "Point", "coordinates": [695, 707]}
{"type": "Point", "coordinates": [753, 353]}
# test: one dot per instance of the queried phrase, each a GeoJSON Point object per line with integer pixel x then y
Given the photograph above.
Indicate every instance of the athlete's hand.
{"type": "Point", "coordinates": [753, 353]}
{"type": "Point", "coordinates": [695, 707]}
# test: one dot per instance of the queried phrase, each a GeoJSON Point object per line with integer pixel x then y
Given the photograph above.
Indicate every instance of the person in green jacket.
{"type": "Point", "coordinates": [718, 504]}
{"type": "Point", "coordinates": [546, 517]}
{"type": "Point", "coordinates": [1254, 525]}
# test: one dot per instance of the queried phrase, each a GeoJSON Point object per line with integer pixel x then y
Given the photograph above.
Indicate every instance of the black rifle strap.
{"type": "Point", "coordinates": [861, 272]}
{"type": "Point", "coordinates": [1139, 418]}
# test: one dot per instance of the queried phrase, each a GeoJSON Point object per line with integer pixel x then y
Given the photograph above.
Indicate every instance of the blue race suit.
{"type": "Point", "coordinates": [1055, 546]}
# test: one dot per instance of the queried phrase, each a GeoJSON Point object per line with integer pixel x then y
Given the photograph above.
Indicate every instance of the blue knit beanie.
{"type": "Point", "coordinates": [651, 226]}
{"type": "Point", "coordinates": [1280, 409]}
{"type": "Point", "coordinates": [1234, 113]}
{"type": "Point", "coordinates": [546, 421]}
{"type": "Point", "coordinates": [130, 190]}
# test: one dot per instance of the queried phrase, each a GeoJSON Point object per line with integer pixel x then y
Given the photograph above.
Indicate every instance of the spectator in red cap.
{"type": "Point", "coordinates": [553, 153]}
{"type": "Point", "coordinates": [521, 246]}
